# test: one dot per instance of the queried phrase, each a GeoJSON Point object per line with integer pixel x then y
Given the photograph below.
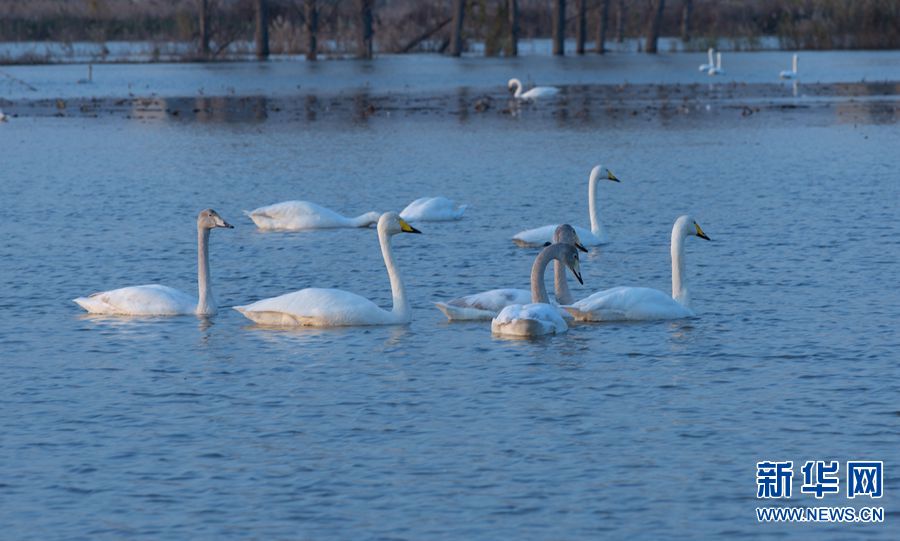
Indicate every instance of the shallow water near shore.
{"type": "Point", "coordinates": [177, 428]}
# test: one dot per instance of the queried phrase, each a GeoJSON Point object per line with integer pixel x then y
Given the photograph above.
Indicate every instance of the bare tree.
{"type": "Point", "coordinates": [620, 21]}
{"type": "Point", "coordinates": [580, 35]}
{"type": "Point", "coordinates": [262, 30]}
{"type": "Point", "coordinates": [559, 27]}
{"type": "Point", "coordinates": [687, 8]}
{"type": "Point", "coordinates": [311, 14]}
{"type": "Point", "coordinates": [459, 13]}
{"type": "Point", "coordinates": [203, 8]}
{"type": "Point", "coordinates": [513, 8]}
{"type": "Point", "coordinates": [364, 48]}
{"type": "Point", "coordinates": [602, 25]}
{"type": "Point", "coordinates": [656, 12]}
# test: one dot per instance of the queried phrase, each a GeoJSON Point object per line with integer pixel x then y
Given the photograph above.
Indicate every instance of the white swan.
{"type": "Point", "coordinates": [432, 209]}
{"type": "Point", "coordinates": [533, 94]}
{"type": "Point", "coordinates": [487, 304]}
{"type": "Point", "coordinates": [3, 116]}
{"type": "Point", "coordinates": [642, 303]}
{"type": "Point", "coordinates": [157, 300]}
{"type": "Point", "coordinates": [298, 215]}
{"type": "Point", "coordinates": [709, 64]}
{"type": "Point", "coordinates": [540, 317]}
{"type": "Point", "coordinates": [717, 69]}
{"type": "Point", "coordinates": [792, 73]}
{"type": "Point", "coordinates": [593, 237]}
{"type": "Point", "coordinates": [334, 307]}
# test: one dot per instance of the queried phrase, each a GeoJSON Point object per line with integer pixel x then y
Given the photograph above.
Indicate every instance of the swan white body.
{"type": "Point", "coordinates": [533, 94]}
{"type": "Point", "coordinates": [488, 304]}
{"type": "Point", "coordinates": [593, 237]}
{"type": "Point", "coordinates": [709, 63]}
{"type": "Point", "coordinates": [334, 307]}
{"type": "Point", "coordinates": [792, 73]}
{"type": "Point", "coordinates": [3, 117]}
{"type": "Point", "coordinates": [717, 69]}
{"type": "Point", "coordinates": [641, 303]}
{"type": "Point", "coordinates": [539, 318]}
{"type": "Point", "coordinates": [299, 215]}
{"type": "Point", "coordinates": [432, 209]}
{"type": "Point", "coordinates": [158, 300]}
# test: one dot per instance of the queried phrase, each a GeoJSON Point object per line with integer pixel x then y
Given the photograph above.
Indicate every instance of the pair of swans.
{"type": "Point", "coordinates": [537, 92]}
{"type": "Point", "coordinates": [709, 63]}
{"type": "Point", "coordinates": [717, 69]}
{"type": "Point", "coordinates": [792, 73]}
{"type": "Point", "coordinates": [593, 237]}
{"type": "Point", "coordinates": [487, 304]}
{"type": "Point", "coordinates": [303, 215]}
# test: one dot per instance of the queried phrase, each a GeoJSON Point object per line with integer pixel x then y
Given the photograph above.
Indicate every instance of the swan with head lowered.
{"type": "Point", "coordinates": [432, 209]}
{"type": "Point", "coordinates": [300, 215]}
{"type": "Point", "coordinates": [487, 304]}
{"type": "Point", "coordinates": [319, 307]}
{"type": "Point", "coordinates": [157, 300]}
{"type": "Point", "coordinates": [540, 317]}
{"type": "Point", "coordinates": [594, 236]}
{"type": "Point", "coordinates": [792, 73]}
{"type": "Point", "coordinates": [642, 303]}
{"type": "Point", "coordinates": [537, 92]}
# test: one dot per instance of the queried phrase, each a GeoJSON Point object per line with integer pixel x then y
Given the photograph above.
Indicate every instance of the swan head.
{"type": "Point", "coordinates": [392, 224]}
{"type": "Point", "coordinates": [600, 172]}
{"type": "Point", "coordinates": [569, 256]}
{"type": "Point", "coordinates": [687, 226]}
{"type": "Point", "coordinates": [514, 84]}
{"type": "Point", "coordinates": [210, 219]}
{"type": "Point", "coordinates": [565, 233]}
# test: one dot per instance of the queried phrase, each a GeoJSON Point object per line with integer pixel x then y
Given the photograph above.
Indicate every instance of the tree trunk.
{"type": "Point", "coordinates": [513, 7]}
{"type": "Point", "coordinates": [262, 30]}
{"type": "Point", "coordinates": [581, 34]}
{"type": "Point", "coordinates": [203, 6]}
{"type": "Point", "coordinates": [687, 8]}
{"type": "Point", "coordinates": [653, 27]}
{"type": "Point", "coordinates": [620, 21]}
{"type": "Point", "coordinates": [602, 25]}
{"type": "Point", "coordinates": [459, 13]}
{"type": "Point", "coordinates": [559, 27]}
{"type": "Point", "coordinates": [312, 29]}
{"type": "Point", "coordinates": [364, 48]}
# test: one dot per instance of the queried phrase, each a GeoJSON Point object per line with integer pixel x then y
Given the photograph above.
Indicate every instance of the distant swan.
{"type": "Point", "coordinates": [334, 307]}
{"type": "Point", "coordinates": [790, 74]}
{"type": "Point", "coordinates": [709, 64]}
{"type": "Point", "coordinates": [432, 209]}
{"type": "Point", "coordinates": [157, 300]}
{"type": "Point", "coordinates": [487, 304]}
{"type": "Point", "coordinates": [540, 317]}
{"type": "Point", "coordinates": [298, 215]}
{"type": "Point", "coordinates": [3, 116]}
{"type": "Point", "coordinates": [717, 69]}
{"type": "Point", "coordinates": [534, 93]}
{"type": "Point", "coordinates": [642, 303]}
{"type": "Point", "coordinates": [593, 237]}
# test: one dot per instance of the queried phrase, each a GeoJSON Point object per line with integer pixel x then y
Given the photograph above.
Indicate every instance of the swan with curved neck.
{"type": "Point", "coordinates": [642, 303]}
{"type": "Point", "coordinates": [487, 304]}
{"type": "Point", "coordinates": [792, 73]}
{"type": "Point", "coordinates": [537, 92]}
{"type": "Point", "coordinates": [594, 236]}
{"type": "Point", "coordinates": [320, 307]}
{"type": "Point", "coordinates": [538, 318]}
{"type": "Point", "coordinates": [709, 62]}
{"type": "Point", "coordinates": [301, 215]}
{"type": "Point", "coordinates": [158, 300]}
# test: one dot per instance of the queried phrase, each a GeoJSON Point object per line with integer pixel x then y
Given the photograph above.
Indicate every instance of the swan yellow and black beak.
{"type": "Point", "coordinates": [611, 176]}
{"type": "Point", "coordinates": [406, 228]}
{"type": "Point", "coordinates": [581, 247]}
{"type": "Point", "coordinates": [700, 232]}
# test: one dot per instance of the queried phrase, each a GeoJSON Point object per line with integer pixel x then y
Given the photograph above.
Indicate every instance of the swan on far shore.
{"type": "Point", "coordinates": [595, 236]}
{"type": "Point", "coordinates": [709, 63]}
{"type": "Point", "coordinates": [792, 73]}
{"type": "Point", "coordinates": [643, 303]}
{"type": "Point", "coordinates": [433, 209]}
{"type": "Point", "coordinates": [157, 300]}
{"type": "Point", "coordinates": [535, 93]}
{"type": "Point", "coordinates": [318, 307]}
{"type": "Point", "coordinates": [300, 215]}
{"type": "Point", "coordinates": [717, 69]}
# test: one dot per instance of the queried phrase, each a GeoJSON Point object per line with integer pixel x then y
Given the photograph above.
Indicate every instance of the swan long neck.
{"type": "Point", "coordinates": [794, 63]}
{"type": "Point", "coordinates": [538, 290]}
{"type": "Point", "coordinates": [561, 284]}
{"type": "Point", "coordinates": [398, 291]}
{"type": "Point", "coordinates": [709, 54]}
{"type": "Point", "coordinates": [518, 84]}
{"type": "Point", "coordinates": [365, 220]}
{"type": "Point", "coordinates": [679, 287]}
{"type": "Point", "coordinates": [594, 206]}
{"type": "Point", "coordinates": [206, 304]}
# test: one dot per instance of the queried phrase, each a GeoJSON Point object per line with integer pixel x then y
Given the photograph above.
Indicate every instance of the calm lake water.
{"type": "Point", "coordinates": [183, 428]}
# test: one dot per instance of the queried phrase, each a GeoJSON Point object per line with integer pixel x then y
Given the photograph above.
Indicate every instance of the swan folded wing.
{"type": "Point", "coordinates": [316, 307]}
{"type": "Point", "coordinates": [432, 208]}
{"type": "Point", "coordinates": [537, 236]}
{"type": "Point", "coordinates": [144, 300]}
{"type": "Point", "coordinates": [493, 300]}
{"type": "Point", "coordinates": [629, 304]}
{"type": "Point", "coordinates": [529, 320]}
{"type": "Point", "coordinates": [296, 215]}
